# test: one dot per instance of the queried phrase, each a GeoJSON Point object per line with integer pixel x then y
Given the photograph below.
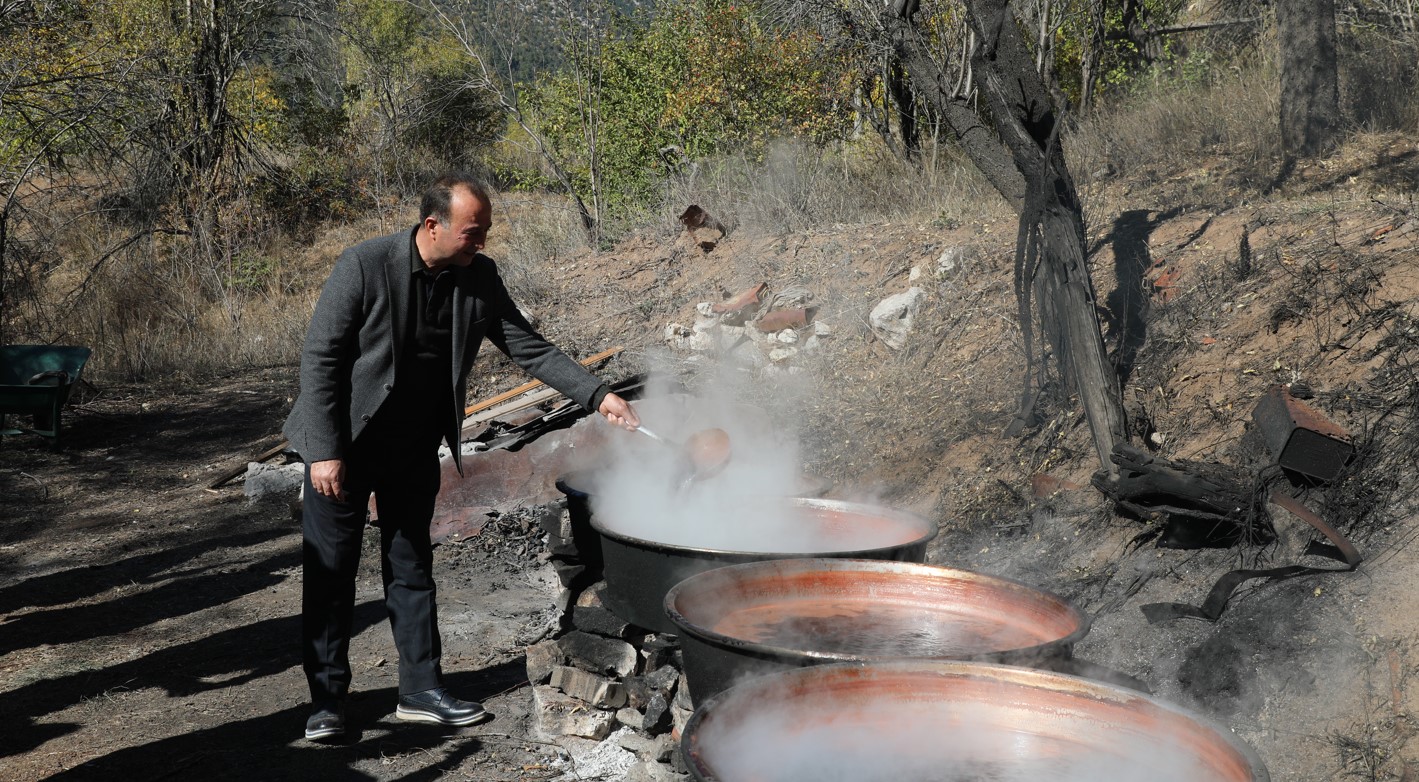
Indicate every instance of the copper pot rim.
{"type": "Point", "coordinates": [928, 530]}
{"type": "Point", "coordinates": [1082, 623]}
{"type": "Point", "coordinates": [1086, 689]}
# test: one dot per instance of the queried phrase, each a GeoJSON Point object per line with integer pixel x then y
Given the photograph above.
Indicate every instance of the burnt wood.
{"type": "Point", "coordinates": [1208, 497]}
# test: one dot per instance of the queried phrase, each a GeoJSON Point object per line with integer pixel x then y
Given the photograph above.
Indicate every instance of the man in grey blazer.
{"type": "Point", "coordinates": [384, 377]}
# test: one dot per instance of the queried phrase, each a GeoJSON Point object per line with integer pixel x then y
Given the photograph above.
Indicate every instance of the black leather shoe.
{"type": "Point", "coordinates": [326, 723]}
{"type": "Point", "coordinates": [438, 706]}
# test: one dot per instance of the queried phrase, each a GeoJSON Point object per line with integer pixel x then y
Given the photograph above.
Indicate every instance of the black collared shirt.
{"type": "Point", "coordinates": [420, 407]}
{"type": "Point", "coordinates": [432, 313]}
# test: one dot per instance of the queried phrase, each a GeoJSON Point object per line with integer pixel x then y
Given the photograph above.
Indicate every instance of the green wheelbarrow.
{"type": "Point", "coordinates": [35, 380]}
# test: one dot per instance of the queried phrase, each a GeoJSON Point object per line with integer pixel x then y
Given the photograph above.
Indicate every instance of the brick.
{"type": "Point", "coordinates": [559, 714]}
{"type": "Point", "coordinates": [606, 656]}
{"type": "Point", "coordinates": [542, 657]}
{"type": "Point", "coordinates": [595, 690]}
{"type": "Point", "coordinates": [599, 621]}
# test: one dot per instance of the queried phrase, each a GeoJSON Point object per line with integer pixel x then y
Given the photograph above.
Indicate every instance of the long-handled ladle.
{"type": "Point", "coordinates": [705, 452]}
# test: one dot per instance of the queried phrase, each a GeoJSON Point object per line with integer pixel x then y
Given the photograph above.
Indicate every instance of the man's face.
{"type": "Point", "coordinates": [455, 243]}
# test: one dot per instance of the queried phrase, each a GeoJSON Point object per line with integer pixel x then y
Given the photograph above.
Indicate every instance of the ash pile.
{"type": "Point", "coordinates": [599, 678]}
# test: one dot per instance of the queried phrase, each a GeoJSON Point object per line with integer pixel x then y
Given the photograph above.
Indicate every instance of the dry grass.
{"type": "Point", "coordinates": [159, 306]}
{"type": "Point", "coordinates": [796, 187]}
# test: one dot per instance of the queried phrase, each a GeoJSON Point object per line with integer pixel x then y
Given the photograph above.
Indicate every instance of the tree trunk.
{"type": "Point", "coordinates": [1038, 184]}
{"type": "Point", "coordinates": [1310, 95]}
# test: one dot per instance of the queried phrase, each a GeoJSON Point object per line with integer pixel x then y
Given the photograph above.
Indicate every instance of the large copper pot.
{"type": "Point", "coordinates": [916, 721]}
{"type": "Point", "coordinates": [760, 617]}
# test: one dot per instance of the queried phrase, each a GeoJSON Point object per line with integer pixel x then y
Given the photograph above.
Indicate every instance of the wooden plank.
{"type": "Point", "coordinates": [264, 456]}
{"type": "Point", "coordinates": [484, 416]}
{"type": "Point", "coordinates": [231, 474]}
{"type": "Point", "coordinates": [525, 387]}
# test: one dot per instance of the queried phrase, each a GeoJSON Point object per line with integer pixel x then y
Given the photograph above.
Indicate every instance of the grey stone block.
{"type": "Point", "coordinates": [542, 657]}
{"type": "Point", "coordinates": [606, 656]}
{"type": "Point", "coordinates": [559, 714]}
{"type": "Point", "coordinates": [599, 621]}
{"type": "Point", "coordinates": [595, 690]}
{"type": "Point", "coordinates": [657, 714]}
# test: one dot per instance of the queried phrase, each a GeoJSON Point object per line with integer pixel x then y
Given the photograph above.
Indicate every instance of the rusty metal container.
{"type": "Point", "coordinates": [921, 721]}
{"type": "Point", "coordinates": [1300, 437]}
{"type": "Point", "coordinates": [639, 572]}
{"type": "Point", "coordinates": [752, 619]}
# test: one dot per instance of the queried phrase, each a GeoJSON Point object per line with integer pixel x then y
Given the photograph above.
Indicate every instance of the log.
{"type": "Point", "coordinates": [1203, 503]}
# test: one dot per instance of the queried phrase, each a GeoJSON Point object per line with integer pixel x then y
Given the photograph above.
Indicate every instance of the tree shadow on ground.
{"type": "Point", "coordinates": [223, 660]}
{"type": "Point", "coordinates": [184, 594]}
{"type": "Point", "coordinates": [1127, 306]}
{"type": "Point", "coordinates": [270, 747]}
{"type": "Point", "coordinates": [79, 583]}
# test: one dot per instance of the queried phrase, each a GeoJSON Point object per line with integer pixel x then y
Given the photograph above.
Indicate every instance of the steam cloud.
{"type": "Point", "coordinates": [921, 741]}
{"type": "Point", "coordinates": [639, 491]}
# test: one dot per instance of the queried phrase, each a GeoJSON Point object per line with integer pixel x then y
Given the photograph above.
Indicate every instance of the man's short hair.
{"type": "Point", "coordinates": [439, 194]}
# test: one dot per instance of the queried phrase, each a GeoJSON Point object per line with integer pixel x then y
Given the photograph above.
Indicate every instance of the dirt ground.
{"type": "Point", "coordinates": [148, 627]}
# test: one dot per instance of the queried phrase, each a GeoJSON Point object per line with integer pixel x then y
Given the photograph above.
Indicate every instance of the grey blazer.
{"type": "Point", "coordinates": [357, 334]}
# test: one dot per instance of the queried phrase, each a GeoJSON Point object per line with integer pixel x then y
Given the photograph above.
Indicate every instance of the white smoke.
{"type": "Point", "coordinates": [915, 737]}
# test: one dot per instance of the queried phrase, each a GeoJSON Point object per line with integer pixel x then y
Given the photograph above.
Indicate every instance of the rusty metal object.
{"type": "Point", "coordinates": [795, 318]}
{"type": "Point", "coordinates": [1301, 438]}
{"type": "Point", "coordinates": [639, 572]}
{"type": "Point", "coordinates": [746, 299]}
{"type": "Point", "coordinates": [916, 720]}
{"type": "Point", "coordinates": [761, 617]}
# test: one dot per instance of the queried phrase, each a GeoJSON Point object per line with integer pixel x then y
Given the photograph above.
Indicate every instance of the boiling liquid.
{"type": "Point", "coordinates": [877, 628]}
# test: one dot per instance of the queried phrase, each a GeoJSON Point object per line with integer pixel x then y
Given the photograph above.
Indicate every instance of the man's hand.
{"type": "Point", "coordinates": [619, 412]}
{"type": "Point", "coordinates": [328, 478]}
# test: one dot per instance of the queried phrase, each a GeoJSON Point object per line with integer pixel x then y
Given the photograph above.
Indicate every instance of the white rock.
{"type": "Point", "coordinates": [787, 337]}
{"type": "Point", "coordinates": [914, 274]}
{"type": "Point", "coordinates": [705, 324]}
{"type": "Point", "coordinates": [780, 355]}
{"type": "Point", "coordinates": [701, 342]}
{"type": "Point", "coordinates": [705, 308]}
{"type": "Point", "coordinates": [265, 479]}
{"type": "Point", "coordinates": [892, 319]}
{"type": "Point", "coordinates": [951, 259]}
{"type": "Point", "coordinates": [821, 329]}
{"type": "Point", "coordinates": [677, 336]}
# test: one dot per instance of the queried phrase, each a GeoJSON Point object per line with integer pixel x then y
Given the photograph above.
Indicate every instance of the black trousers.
{"type": "Point", "coordinates": [404, 477]}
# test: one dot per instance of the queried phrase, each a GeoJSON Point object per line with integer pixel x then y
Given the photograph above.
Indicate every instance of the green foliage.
{"type": "Point", "coordinates": [319, 186]}
{"type": "Point", "coordinates": [251, 272]}
{"type": "Point", "coordinates": [702, 77]}
{"type": "Point", "coordinates": [449, 112]}
{"type": "Point", "coordinates": [1120, 61]}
